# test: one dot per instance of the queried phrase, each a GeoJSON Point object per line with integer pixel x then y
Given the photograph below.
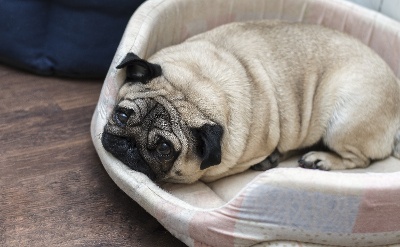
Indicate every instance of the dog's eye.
{"type": "Point", "coordinates": [164, 149]}
{"type": "Point", "coordinates": [121, 116]}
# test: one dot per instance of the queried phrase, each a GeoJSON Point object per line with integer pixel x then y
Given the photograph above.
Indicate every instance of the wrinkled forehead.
{"type": "Point", "coordinates": [159, 86]}
{"type": "Point", "coordinates": [142, 99]}
{"type": "Point", "coordinates": [137, 104]}
{"type": "Point", "coordinates": [129, 90]}
{"type": "Point", "coordinates": [142, 103]}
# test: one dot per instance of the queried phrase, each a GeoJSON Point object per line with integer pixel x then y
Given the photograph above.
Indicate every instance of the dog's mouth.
{"type": "Point", "coordinates": [126, 150]}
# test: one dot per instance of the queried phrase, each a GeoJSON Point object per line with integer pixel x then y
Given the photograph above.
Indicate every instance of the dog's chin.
{"type": "Point", "coordinates": [182, 178]}
{"type": "Point", "coordinates": [125, 150]}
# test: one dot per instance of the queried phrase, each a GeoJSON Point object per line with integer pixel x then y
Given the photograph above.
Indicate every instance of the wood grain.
{"type": "Point", "coordinates": [53, 188]}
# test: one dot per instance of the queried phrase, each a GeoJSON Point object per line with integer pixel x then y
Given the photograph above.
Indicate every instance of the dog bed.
{"type": "Point", "coordinates": [283, 206]}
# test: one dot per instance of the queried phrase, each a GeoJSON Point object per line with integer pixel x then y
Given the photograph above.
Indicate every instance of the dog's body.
{"type": "Point", "coordinates": [229, 98]}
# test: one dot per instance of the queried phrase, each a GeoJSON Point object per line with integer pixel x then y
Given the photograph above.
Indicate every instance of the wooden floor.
{"type": "Point", "coordinates": [53, 188]}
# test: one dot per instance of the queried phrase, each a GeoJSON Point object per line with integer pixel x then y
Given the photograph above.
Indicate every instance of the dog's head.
{"type": "Point", "coordinates": [154, 129]}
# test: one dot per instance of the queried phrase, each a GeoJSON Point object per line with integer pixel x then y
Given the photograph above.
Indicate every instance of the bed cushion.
{"type": "Point", "coordinates": [63, 37]}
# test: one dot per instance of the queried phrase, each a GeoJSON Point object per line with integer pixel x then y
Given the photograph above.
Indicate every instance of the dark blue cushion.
{"type": "Point", "coordinates": [75, 38]}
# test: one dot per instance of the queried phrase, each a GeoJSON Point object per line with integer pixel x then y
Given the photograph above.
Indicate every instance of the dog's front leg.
{"type": "Point", "coordinates": [270, 162]}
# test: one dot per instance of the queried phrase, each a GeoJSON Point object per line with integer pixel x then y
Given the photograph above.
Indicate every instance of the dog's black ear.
{"type": "Point", "coordinates": [208, 144]}
{"type": "Point", "coordinates": [139, 70]}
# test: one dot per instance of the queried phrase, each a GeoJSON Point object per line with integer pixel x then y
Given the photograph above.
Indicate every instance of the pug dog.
{"type": "Point", "coordinates": [243, 94]}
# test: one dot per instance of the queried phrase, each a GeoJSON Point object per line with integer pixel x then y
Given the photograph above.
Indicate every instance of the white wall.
{"type": "Point", "coordinates": [390, 8]}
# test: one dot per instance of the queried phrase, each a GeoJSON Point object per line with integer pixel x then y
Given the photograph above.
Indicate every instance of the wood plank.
{"type": "Point", "coordinates": [53, 189]}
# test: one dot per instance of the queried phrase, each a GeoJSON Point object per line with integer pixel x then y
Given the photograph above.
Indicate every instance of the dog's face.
{"type": "Point", "coordinates": [154, 130]}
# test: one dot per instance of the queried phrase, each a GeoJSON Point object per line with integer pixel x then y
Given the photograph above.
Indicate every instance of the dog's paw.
{"type": "Point", "coordinates": [315, 160]}
{"type": "Point", "coordinates": [270, 162]}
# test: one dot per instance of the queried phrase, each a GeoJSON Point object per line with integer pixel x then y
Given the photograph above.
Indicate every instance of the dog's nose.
{"type": "Point", "coordinates": [125, 149]}
{"type": "Point", "coordinates": [117, 145]}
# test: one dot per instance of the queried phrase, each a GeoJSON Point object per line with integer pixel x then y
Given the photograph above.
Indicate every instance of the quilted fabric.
{"type": "Point", "coordinates": [63, 37]}
{"type": "Point", "coordinates": [286, 206]}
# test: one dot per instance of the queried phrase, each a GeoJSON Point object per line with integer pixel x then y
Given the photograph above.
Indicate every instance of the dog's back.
{"type": "Point", "coordinates": [277, 86]}
{"type": "Point", "coordinates": [327, 85]}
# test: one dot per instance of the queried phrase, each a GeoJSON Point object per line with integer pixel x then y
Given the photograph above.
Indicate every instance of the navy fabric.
{"type": "Point", "coordinates": [74, 38]}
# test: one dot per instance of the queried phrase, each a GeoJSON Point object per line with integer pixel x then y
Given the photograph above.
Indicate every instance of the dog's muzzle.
{"type": "Point", "coordinates": [125, 150]}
